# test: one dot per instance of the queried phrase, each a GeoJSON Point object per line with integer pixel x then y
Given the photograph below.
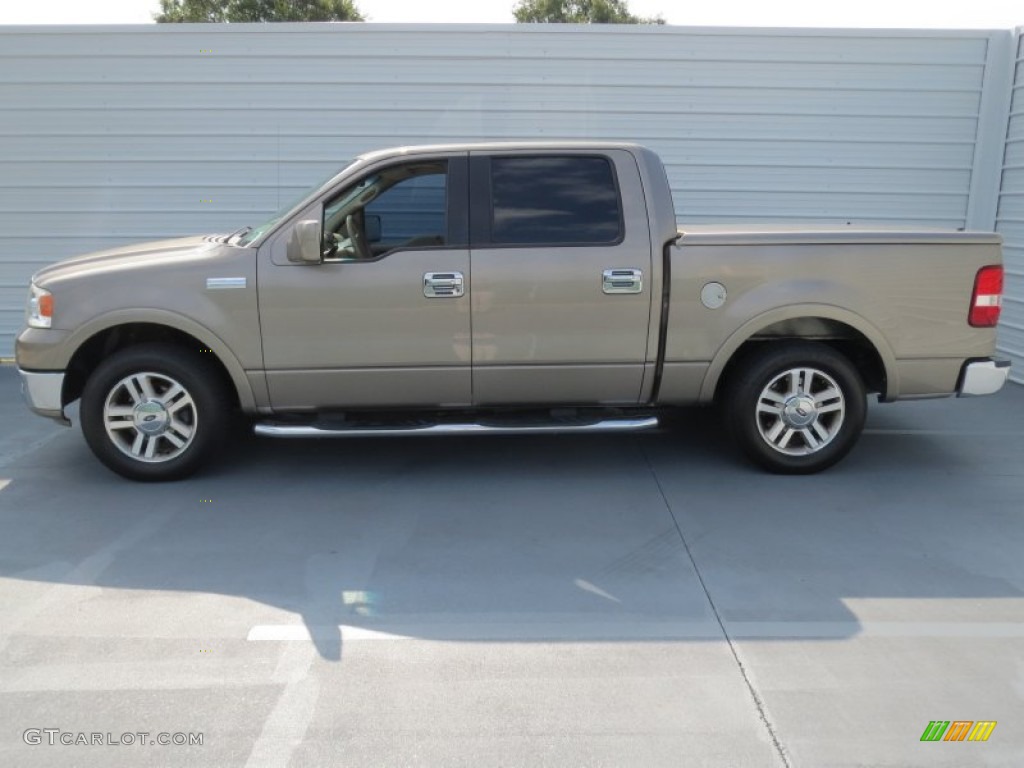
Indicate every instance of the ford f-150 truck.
{"type": "Point", "coordinates": [510, 288]}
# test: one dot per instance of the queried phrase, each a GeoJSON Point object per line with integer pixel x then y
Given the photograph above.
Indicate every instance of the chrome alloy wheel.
{"type": "Point", "coordinates": [150, 417]}
{"type": "Point", "coordinates": [800, 411]}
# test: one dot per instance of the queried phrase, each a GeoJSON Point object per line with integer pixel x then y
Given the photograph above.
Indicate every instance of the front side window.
{"type": "Point", "coordinates": [403, 206]}
{"type": "Point", "coordinates": [570, 200]}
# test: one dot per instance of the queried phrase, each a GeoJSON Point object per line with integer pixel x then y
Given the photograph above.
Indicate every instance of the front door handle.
{"type": "Point", "coordinates": [443, 285]}
{"type": "Point", "coordinates": [622, 281]}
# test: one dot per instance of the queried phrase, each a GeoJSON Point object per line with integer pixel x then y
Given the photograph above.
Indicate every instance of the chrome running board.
{"type": "Point", "coordinates": [311, 430]}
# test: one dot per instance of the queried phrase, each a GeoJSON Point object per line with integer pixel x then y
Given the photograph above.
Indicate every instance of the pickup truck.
{"type": "Point", "coordinates": [519, 287]}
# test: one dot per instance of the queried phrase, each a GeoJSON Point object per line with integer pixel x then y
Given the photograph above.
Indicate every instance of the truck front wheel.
{"type": "Point", "coordinates": [795, 407]}
{"type": "Point", "coordinates": [154, 412]}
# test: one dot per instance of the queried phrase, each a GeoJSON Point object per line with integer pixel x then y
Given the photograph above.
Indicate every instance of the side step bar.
{"type": "Point", "coordinates": [311, 430]}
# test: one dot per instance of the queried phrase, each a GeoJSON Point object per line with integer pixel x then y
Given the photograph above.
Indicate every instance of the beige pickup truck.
{"type": "Point", "coordinates": [505, 288]}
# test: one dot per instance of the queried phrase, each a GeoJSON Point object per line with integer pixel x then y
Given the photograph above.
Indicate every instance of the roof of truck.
{"type": "Point", "coordinates": [500, 146]}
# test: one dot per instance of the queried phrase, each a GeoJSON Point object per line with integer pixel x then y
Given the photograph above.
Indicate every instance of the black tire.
{"type": "Point", "coordinates": [197, 416]}
{"type": "Point", "coordinates": [795, 407]}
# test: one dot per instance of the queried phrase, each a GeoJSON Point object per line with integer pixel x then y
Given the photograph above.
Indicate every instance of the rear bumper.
{"type": "Point", "coordinates": [983, 377]}
{"type": "Point", "coordinates": [42, 393]}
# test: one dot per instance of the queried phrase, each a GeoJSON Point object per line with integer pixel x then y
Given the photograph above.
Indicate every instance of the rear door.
{"type": "Point", "coordinates": [560, 277]}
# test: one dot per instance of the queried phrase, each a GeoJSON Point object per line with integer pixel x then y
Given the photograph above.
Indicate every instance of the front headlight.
{"type": "Point", "coordinates": [39, 313]}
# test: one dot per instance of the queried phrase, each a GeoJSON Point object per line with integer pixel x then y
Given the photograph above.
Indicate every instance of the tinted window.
{"type": "Point", "coordinates": [554, 200]}
{"type": "Point", "coordinates": [402, 206]}
{"type": "Point", "coordinates": [412, 210]}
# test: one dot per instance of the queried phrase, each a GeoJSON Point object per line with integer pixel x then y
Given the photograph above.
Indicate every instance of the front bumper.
{"type": "Point", "coordinates": [983, 377]}
{"type": "Point", "coordinates": [42, 393]}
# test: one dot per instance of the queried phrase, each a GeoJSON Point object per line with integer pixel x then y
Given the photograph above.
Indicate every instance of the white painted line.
{"type": "Point", "coordinates": [35, 445]}
{"type": "Point", "coordinates": [772, 630]}
{"type": "Point", "coordinates": [169, 674]}
{"type": "Point", "coordinates": [294, 663]}
{"type": "Point", "coordinates": [4, 482]}
{"type": "Point", "coordinates": [291, 632]}
{"type": "Point", "coordinates": [286, 725]}
{"type": "Point", "coordinates": [586, 586]}
{"type": "Point", "coordinates": [504, 631]}
{"type": "Point", "coordinates": [639, 631]}
{"type": "Point", "coordinates": [83, 575]}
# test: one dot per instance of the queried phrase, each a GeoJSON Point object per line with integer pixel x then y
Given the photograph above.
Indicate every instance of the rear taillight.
{"type": "Point", "coordinates": [987, 299]}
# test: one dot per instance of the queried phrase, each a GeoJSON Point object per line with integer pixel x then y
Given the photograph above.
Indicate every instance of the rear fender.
{"type": "Point", "coordinates": [753, 326]}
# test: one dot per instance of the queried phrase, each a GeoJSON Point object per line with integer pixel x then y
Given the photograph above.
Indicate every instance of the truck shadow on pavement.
{"type": "Point", "coordinates": [663, 536]}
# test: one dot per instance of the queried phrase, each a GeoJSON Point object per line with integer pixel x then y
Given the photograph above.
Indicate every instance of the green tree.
{"type": "Point", "coordinates": [579, 12]}
{"type": "Point", "coordinates": [257, 10]}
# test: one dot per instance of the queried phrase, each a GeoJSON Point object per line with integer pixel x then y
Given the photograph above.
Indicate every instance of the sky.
{"type": "Point", "coordinates": [969, 14]}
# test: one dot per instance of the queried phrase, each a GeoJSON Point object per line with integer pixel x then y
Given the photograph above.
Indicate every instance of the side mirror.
{"type": "Point", "coordinates": [373, 228]}
{"type": "Point", "coordinates": [304, 245]}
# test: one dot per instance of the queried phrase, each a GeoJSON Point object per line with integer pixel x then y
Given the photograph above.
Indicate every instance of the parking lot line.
{"type": "Point", "coordinates": [561, 628]}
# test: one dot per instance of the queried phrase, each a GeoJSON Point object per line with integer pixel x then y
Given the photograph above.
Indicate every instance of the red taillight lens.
{"type": "Point", "coordinates": [987, 299]}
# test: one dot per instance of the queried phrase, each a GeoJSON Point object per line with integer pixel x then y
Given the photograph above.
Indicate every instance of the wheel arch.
{"type": "Point", "coordinates": [850, 334]}
{"type": "Point", "coordinates": [117, 331]}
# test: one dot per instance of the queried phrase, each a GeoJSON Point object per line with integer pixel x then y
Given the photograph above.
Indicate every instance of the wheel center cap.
{"type": "Point", "coordinates": [150, 417]}
{"type": "Point", "coordinates": [800, 411]}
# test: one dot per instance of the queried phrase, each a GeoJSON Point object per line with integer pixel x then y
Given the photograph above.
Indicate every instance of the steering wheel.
{"type": "Point", "coordinates": [329, 246]}
{"type": "Point", "coordinates": [357, 238]}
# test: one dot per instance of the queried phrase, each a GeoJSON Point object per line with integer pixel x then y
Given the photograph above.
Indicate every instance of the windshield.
{"type": "Point", "coordinates": [249, 234]}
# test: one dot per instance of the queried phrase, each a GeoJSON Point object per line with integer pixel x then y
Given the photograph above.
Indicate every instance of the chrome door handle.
{"type": "Point", "coordinates": [443, 285]}
{"type": "Point", "coordinates": [622, 281]}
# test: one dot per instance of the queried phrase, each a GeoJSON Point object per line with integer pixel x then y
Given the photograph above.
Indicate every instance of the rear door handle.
{"type": "Point", "coordinates": [622, 281]}
{"type": "Point", "coordinates": [443, 285]}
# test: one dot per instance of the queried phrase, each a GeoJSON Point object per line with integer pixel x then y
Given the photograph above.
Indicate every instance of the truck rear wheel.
{"type": "Point", "coordinates": [795, 407]}
{"type": "Point", "coordinates": [154, 412]}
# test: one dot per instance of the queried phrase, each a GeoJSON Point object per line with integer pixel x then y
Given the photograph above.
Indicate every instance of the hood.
{"type": "Point", "coordinates": [130, 256]}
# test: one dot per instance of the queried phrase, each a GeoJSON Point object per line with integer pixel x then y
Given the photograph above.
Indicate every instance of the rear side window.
{"type": "Point", "coordinates": [570, 200]}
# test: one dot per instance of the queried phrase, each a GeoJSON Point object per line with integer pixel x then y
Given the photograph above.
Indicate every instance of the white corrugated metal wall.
{"type": "Point", "coordinates": [111, 135]}
{"type": "Point", "coordinates": [1010, 223]}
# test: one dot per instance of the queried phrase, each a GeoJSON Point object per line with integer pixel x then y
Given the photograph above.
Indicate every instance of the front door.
{"type": "Point", "coordinates": [385, 319]}
{"type": "Point", "coordinates": [561, 269]}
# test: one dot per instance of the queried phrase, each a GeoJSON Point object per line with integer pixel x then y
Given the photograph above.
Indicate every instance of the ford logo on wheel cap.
{"type": "Point", "coordinates": [151, 417]}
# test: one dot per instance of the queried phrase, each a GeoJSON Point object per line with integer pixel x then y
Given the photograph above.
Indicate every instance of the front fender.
{"type": "Point", "coordinates": [57, 357]}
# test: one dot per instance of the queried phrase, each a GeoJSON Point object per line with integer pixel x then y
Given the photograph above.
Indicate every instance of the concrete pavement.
{"type": "Point", "coordinates": [641, 600]}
